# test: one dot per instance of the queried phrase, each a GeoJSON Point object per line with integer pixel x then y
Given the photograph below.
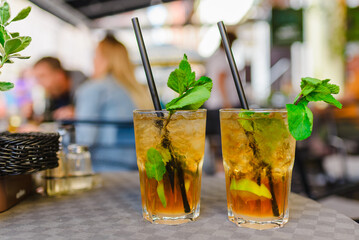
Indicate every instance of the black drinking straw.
{"type": "Point", "coordinates": [146, 64]}
{"type": "Point", "coordinates": [232, 64]}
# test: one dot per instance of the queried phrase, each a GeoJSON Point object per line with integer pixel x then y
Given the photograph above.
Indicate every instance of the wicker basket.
{"type": "Point", "coordinates": [22, 153]}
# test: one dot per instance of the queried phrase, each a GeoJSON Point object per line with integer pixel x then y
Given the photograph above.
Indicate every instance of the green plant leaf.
{"type": "Point", "coordinates": [12, 45]}
{"type": "Point", "coordinates": [193, 93]}
{"type": "Point", "coordinates": [334, 89]}
{"type": "Point", "coordinates": [311, 81]}
{"type": "Point", "coordinates": [18, 56]}
{"type": "Point", "coordinates": [191, 100]}
{"type": "Point", "coordinates": [308, 89]}
{"type": "Point", "coordinates": [4, 13]}
{"type": "Point", "coordinates": [182, 78]}
{"type": "Point", "coordinates": [4, 35]}
{"type": "Point", "coordinates": [204, 81]}
{"type": "Point", "coordinates": [155, 167]}
{"type": "Point", "coordinates": [22, 14]}
{"type": "Point", "coordinates": [2, 50]}
{"type": "Point", "coordinates": [190, 76]}
{"type": "Point", "coordinates": [25, 41]}
{"type": "Point", "coordinates": [300, 117]}
{"type": "Point", "coordinates": [300, 121]}
{"type": "Point", "coordinates": [5, 86]}
{"type": "Point", "coordinates": [328, 98]}
{"type": "Point", "coordinates": [175, 81]}
{"type": "Point", "coordinates": [161, 193]}
{"type": "Point", "coordinates": [14, 34]}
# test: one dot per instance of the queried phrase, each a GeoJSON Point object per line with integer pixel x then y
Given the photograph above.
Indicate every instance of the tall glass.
{"type": "Point", "coordinates": [258, 156]}
{"type": "Point", "coordinates": [170, 149]}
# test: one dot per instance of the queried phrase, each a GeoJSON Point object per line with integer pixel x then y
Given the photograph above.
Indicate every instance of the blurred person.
{"type": "Point", "coordinates": [60, 86]}
{"type": "Point", "coordinates": [112, 94]}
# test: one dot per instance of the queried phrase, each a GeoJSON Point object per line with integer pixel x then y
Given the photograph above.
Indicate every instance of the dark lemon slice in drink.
{"type": "Point", "coordinates": [250, 190]}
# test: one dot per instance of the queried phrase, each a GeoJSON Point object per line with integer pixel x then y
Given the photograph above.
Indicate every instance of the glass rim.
{"type": "Point", "coordinates": [166, 111]}
{"type": "Point", "coordinates": [258, 110]}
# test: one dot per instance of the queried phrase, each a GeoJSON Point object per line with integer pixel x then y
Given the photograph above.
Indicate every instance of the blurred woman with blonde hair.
{"type": "Point", "coordinates": [112, 95]}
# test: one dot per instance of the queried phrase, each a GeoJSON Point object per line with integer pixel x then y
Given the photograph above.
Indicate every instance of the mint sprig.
{"type": "Point", "coordinates": [300, 117]}
{"type": "Point", "coordinates": [164, 158]}
{"type": "Point", "coordinates": [155, 168]}
{"type": "Point", "coordinates": [11, 43]}
{"type": "Point", "coordinates": [192, 93]}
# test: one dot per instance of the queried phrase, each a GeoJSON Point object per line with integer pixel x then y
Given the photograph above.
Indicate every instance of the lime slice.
{"type": "Point", "coordinates": [250, 186]}
{"type": "Point", "coordinates": [187, 184]}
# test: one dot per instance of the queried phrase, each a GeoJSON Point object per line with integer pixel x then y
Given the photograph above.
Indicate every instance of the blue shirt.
{"type": "Point", "coordinates": [105, 100]}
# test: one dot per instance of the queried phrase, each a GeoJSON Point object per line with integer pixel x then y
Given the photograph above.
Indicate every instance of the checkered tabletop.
{"type": "Point", "coordinates": [114, 212]}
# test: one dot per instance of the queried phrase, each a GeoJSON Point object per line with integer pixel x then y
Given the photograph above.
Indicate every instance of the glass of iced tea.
{"type": "Point", "coordinates": [258, 156]}
{"type": "Point", "coordinates": [170, 149]}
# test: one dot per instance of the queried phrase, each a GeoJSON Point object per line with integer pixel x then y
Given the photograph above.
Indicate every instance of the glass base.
{"type": "Point", "coordinates": [171, 219]}
{"type": "Point", "coordinates": [258, 223]}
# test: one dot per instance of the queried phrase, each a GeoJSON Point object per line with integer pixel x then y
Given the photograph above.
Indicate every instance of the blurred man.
{"type": "Point", "coordinates": [59, 86]}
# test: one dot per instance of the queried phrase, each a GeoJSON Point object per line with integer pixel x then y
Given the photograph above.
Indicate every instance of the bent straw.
{"type": "Point", "coordinates": [146, 64]}
{"type": "Point", "coordinates": [232, 64]}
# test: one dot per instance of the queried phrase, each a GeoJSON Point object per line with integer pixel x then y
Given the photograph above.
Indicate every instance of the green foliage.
{"type": "Point", "coordinates": [155, 167]}
{"type": "Point", "coordinates": [192, 93]}
{"type": "Point", "coordinates": [161, 193]}
{"type": "Point", "coordinates": [300, 121]}
{"type": "Point", "coordinates": [4, 86]}
{"type": "Point", "coordinates": [11, 43]}
{"type": "Point", "coordinates": [264, 131]}
{"type": "Point", "coordinates": [300, 117]}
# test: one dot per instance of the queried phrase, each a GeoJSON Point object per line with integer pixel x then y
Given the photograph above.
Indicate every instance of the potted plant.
{"type": "Point", "coordinates": [20, 153]}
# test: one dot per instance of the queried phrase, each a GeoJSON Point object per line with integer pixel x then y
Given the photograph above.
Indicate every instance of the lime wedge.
{"type": "Point", "coordinates": [187, 184]}
{"type": "Point", "coordinates": [250, 186]}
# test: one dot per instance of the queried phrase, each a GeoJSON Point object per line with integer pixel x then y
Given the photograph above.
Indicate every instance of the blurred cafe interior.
{"type": "Point", "coordinates": [275, 44]}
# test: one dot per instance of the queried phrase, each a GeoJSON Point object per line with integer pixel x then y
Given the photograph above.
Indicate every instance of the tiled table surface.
{"type": "Point", "coordinates": [114, 212]}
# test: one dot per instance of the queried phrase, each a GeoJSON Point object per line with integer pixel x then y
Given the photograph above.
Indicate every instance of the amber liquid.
{"type": "Point", "coordinates": [185, 131]}
{"type": "Point", "coordinates": [175, 206]}
{"type": "Point", "coordinates": [245, 203]}
{"type": "Point", "coordinates": [259, 151]}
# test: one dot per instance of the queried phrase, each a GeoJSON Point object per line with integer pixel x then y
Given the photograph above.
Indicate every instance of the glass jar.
{"type": "Point", "coordinates": [55, 180]}
{"type": "Point", "coordinates": [79, 168]}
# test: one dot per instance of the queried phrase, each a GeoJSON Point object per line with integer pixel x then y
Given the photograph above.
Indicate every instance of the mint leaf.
{"type": "Point", "coordinates": [185, 67]}
{"type": "Point", "coordinates": [300, 117]}
{"type": "Point", "coordinates": [246, 124]}
{"type": "Point", "coordinates": [182, 78]}
{"type": "Point", "coordinates": [311, 81]}
{"type": "Point", "coordinates": [328, 98]}
{"type": "Point", "coordinates": [205, 82]}
{"type": "Point", "coordinates": [5, 86]}
{"type": "Point", "coordinates": [191, 100]}
{"type": "Point", "coordinates": [175, 81]}
{"type": "Point", "coordinates": [155, 167]}
{"type": "Point", "coordinates": [307, 89]}
{"type": "Point", "coordinates": [161, 194]}
{"type": "Point", "coordinates": [193, 94]}
{"type": "Point", "coordinates": [300, 121]}
{"type": "Point", "coordinates": [334, 89]}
